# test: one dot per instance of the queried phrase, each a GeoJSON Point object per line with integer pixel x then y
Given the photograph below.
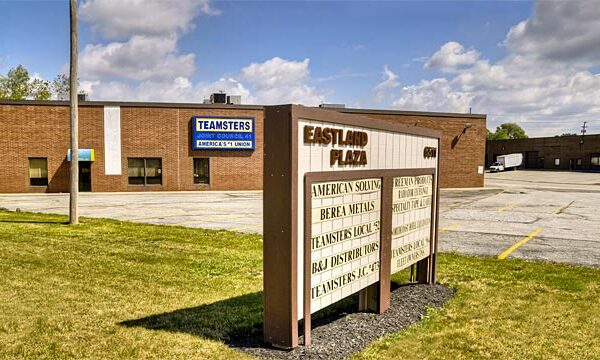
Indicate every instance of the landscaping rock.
{"type": "Point", "coordinates": [345, 332]}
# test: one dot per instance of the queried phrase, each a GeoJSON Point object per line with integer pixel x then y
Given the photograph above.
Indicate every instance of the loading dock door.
{"type": "Point", "coordinates": [532, 160]}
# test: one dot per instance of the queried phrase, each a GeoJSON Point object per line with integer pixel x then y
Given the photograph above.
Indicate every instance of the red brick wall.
{"type": "Point", "coordinates": [158, 132]}
{"type": "Point", "coordinates": [35, 130]}
{"type": "Point", "coordinates": [461, 153]}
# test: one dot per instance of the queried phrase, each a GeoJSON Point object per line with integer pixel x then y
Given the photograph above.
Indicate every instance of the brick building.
{"type": "Point", "coordinates": [462, 141]}
{"type": "Point", "coordinates": [557, 152]}
{"type": "Point", "coordinates": [128, 146]}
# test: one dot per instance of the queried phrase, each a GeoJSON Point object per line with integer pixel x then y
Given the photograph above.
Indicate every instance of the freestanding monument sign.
{"type": "Point", "coordinates": [348, 201]}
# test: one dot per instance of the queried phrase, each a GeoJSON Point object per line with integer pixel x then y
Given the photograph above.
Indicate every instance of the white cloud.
{"type": "Point", "coordinates": [140, 58]}
{"type": "Point", "coordinates": [144, 63]}
{"type": "Point", "coordinates": [546, 82]}
{"type": "Point", "coordinates": [125, 18]}
{"type": "Point", "coordinates": [545, 97]}
{"type": "Point", "coordinates": [279, 81]}
{"type": "Point", "coordinates": [276, 71]}
{"type": "Point", "coordinates": [390, 82]}
{"type": "Point", "coordinates": [560, 31]}
{"type": "Point", "coordinates": [149, 50]}
{"type": "Point", "coordinates": [180, 89]}
{"type": "Point", "coordinates": [452, 56]}
{"type": "Point", "coordinates": [433, 95]}
{"type": "Point", "coordinates": [275, 81]}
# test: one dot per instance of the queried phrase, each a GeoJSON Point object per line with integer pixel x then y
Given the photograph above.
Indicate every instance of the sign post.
{"type": "Point", "coordinates": [348, 201]}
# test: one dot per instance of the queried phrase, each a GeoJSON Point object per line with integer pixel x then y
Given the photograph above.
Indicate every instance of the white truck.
{"type": "Point", "coordinates": [505, 162]}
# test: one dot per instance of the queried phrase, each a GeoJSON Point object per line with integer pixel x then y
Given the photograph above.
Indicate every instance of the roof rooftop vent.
{"type": "Point", "coordinates": [234, 99]}
{"type": "Point", "coordinates": [333, 106]}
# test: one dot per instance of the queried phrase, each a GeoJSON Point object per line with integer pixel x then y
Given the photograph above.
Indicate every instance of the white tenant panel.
{"type": "Point", "coordinates": [411, 220]}
{"type": "Point", "coordinates": [112, 140]}
{"type": "Point", "coordinates": [385, 150]}
{"type": "Point", "coordinates": [345, 239]}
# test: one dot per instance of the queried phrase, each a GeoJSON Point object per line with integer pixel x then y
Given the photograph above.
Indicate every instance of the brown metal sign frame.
{"type": "Point", "coordinates": [280, 207]}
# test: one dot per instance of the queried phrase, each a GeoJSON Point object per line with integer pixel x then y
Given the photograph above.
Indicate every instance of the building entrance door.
{"type": "Point", "coordinates": [532, 160]}
{"type": "Point", "coordinates": [85, 176]}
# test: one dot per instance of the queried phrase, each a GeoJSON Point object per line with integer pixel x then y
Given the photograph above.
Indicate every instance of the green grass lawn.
{"type": "Point", "coordinates": [108, 289]}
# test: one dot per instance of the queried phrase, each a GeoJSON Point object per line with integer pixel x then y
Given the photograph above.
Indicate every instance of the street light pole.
{"type": "Point", "coordinates": [74, 166]}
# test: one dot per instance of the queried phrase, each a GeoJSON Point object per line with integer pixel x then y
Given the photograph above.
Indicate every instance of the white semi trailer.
{"type": "Point", "coordinates": [505, 162]}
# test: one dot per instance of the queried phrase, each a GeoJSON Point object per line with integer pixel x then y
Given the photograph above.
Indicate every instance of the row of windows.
{"type": "Point", "coordinates": [140, 171]}
{"type": "Point", "coordinates": [594, 161]}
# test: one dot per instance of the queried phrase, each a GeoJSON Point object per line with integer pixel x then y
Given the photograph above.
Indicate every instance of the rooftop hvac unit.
{"type": "Point", "coordinates": [234, 99]}
{"type": "Point", "coordinates": [218, 98]}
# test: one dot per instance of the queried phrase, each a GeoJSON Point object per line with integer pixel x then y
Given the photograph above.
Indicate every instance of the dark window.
{"type": "Point", "coordinates": [144, 171]}
{"type": "Point", "coordinates": [595, 161]}
{"type": "Point", "coordinates": [153, 172]}
{"type": "Point", "coordinates": [38, 171]}
{"type": "Point", "coordinates": [201, 171]}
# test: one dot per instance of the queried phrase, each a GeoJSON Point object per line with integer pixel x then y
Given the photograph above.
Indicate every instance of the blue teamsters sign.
{"type": "Point", "coordinates": [222, 133]}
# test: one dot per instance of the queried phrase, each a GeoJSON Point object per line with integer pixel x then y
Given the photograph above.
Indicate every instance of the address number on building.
{"type": "Point", "coordinates": [429, 152]}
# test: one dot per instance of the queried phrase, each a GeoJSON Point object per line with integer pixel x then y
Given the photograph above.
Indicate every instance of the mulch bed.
{"type": "Point", "coordinates": [342, 332]}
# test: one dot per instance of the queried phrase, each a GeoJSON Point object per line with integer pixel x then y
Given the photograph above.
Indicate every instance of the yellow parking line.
{"type": "Point", "coordinates": [450, 228]}
{"type": "Point", "coordinates": [508, 207]}
{"type": "Point", "coordinates": [518, 244]}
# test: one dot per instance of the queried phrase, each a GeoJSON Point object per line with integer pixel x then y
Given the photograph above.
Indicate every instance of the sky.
{"type": "Point", "coordinates": [534, 63]}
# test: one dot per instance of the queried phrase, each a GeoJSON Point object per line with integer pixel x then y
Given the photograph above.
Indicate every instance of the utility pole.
{"type": "Point", "coordinates": [583, 131]}
{"type": "Point", "coordinates": [74, 166]}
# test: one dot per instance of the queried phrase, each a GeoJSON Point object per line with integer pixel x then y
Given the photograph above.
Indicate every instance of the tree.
{"type": "Point", "coordinates": [40, 89]}
{"type": "Point", "coordinates": [60, 86]}
{"type": "Point", "coordinates": [508, 131]}
{"type": "Point", "coordinates": [17, 85]}
{"type": "Point", "coordinates": [489, 135]}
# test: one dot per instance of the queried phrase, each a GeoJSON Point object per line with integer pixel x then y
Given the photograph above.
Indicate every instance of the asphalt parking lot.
{"type": "Point", "coordinates": [537, 215]}
{"type": "Point", "coordinates": [236, 210]}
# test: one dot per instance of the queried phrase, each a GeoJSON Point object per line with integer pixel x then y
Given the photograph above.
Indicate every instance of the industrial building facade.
{"type": "Point", "coordinates": [128, 146]}
{"type": "Point", "coordinates": [554, 153]}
